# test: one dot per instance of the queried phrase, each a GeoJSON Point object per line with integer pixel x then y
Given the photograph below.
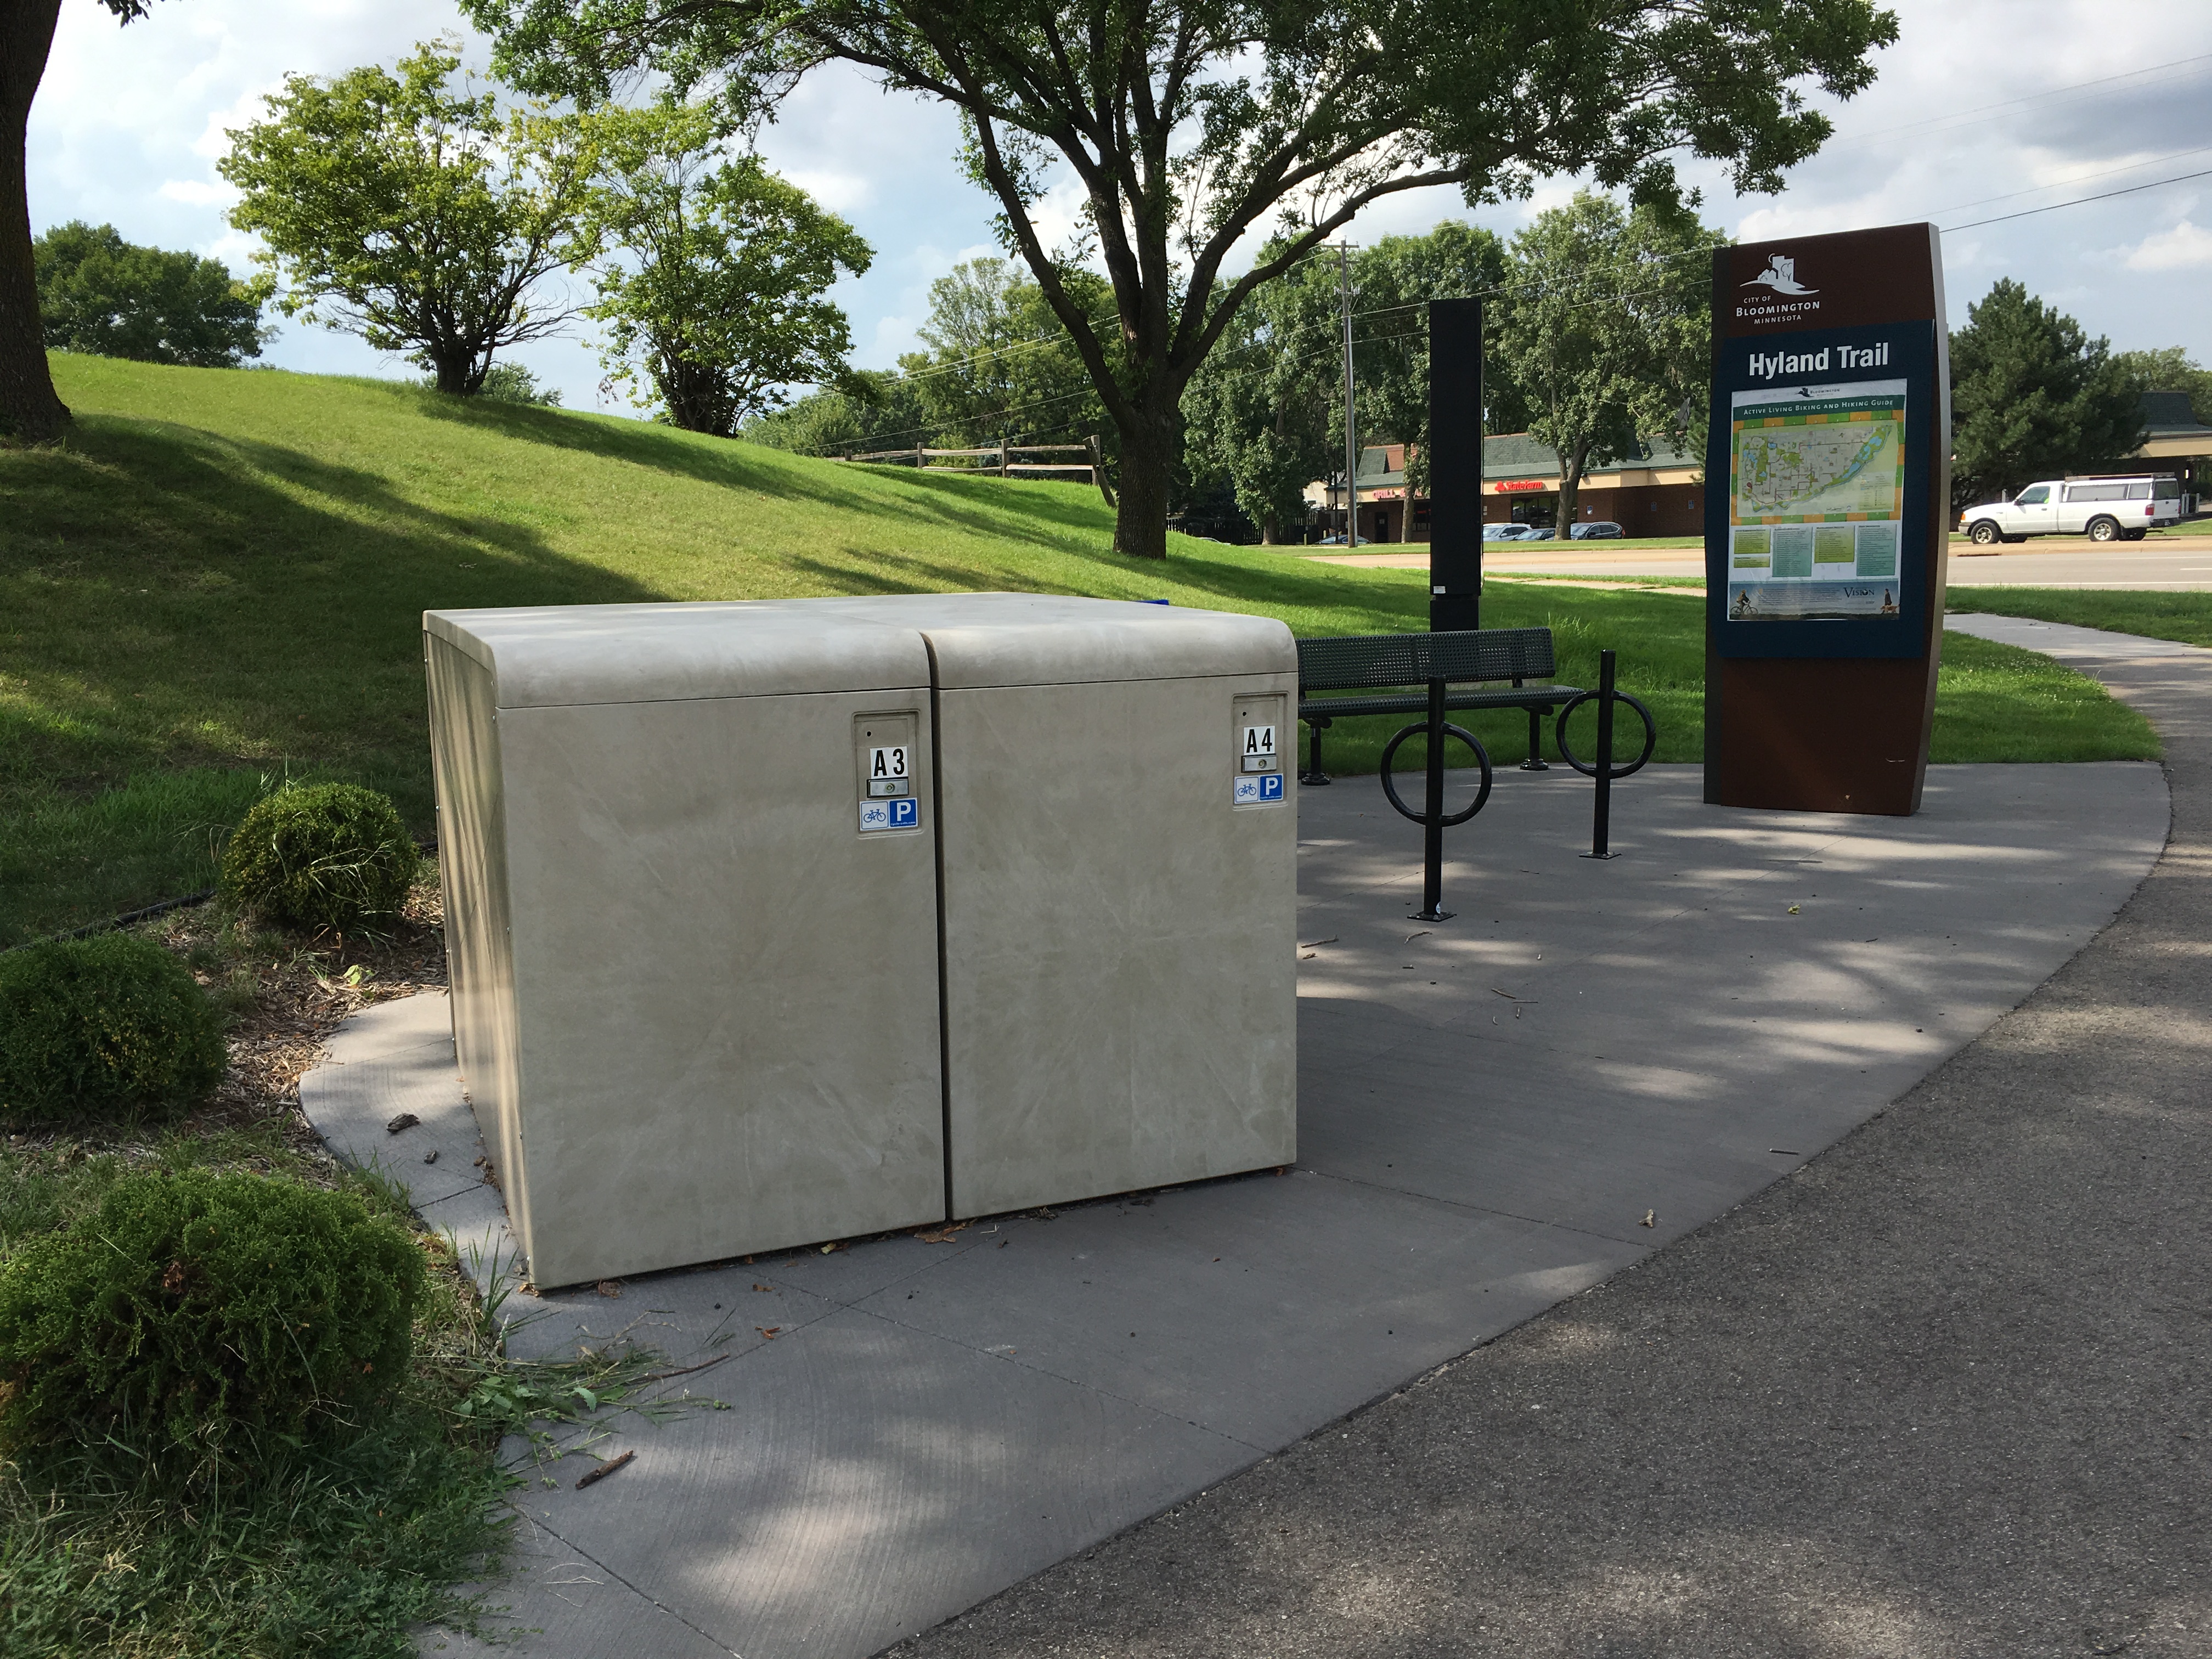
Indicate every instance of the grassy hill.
{"type": "Point", "coordinates": [218, 580]}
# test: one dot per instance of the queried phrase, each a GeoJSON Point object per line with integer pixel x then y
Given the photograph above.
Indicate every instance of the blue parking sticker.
{"type": "Point", "coordinates": [1257, 791]}
{"type": "Point", "coordinates": [903, 813]}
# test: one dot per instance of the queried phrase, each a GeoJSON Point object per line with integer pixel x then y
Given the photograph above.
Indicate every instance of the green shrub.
{"type": "Point", "coordinates": [103, 1025]}
{"type": "Point", "coordinates": [192, 1315]}
{"type": "Point", "coordinates": [325, 855]}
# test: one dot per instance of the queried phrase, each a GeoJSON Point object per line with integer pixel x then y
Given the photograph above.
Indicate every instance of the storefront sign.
{"type": "Point", "coordinates": [1513, 486]}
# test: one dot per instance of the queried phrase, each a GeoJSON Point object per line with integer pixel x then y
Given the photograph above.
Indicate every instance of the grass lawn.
{"type": "Point", "coordinates": [217, 581]}
{"type": "Point", "coordinates": [339, 1545]}
{"type": "Point", "coordinates": [2184, 616]}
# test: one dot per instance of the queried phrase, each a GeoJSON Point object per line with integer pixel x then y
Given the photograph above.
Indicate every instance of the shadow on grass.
{"type": "Point", "coordinates": [949, 499]}
{"type": "Point", "coordinates": [179, 599]}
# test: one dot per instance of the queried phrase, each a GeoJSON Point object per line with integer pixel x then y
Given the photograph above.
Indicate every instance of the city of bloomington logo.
{"type": "Point", "coordinates": [1781, 276]}
{"type": "Point", "coordinates": [1768, 364]}
{"type": "Point", "coordinates": [1786, 298]}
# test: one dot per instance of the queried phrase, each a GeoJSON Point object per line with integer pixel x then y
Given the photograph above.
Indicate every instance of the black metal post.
{"type": "Point", "coordinates": [1454, 465]}
{"type": "Point", "coordinates": [1432, 818]}
{"type": "Point", "coordinates": [1535, 763]}
{"type": "Point", "coordinates": [1313, 774]}
{"type": "Point", "coordinates": [1602, 821]}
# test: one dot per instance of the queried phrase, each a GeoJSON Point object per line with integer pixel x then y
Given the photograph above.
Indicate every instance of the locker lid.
{"type": "Point", "coordinates": [984, 640]}
{"type": "Point", "coordinates": [546, 656]}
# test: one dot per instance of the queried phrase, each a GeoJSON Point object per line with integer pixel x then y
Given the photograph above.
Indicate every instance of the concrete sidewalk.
{"type": "Point", "coordinates": [1943, 1392]}
{"type": "Point", "coordinates": [1590, 1060]}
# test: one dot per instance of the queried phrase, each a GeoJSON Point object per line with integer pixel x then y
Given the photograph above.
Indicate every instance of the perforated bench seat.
{"type": "Point", "coordinates": [1538, 698]}
{"type": "Point", "coordinates": [1379, 663]}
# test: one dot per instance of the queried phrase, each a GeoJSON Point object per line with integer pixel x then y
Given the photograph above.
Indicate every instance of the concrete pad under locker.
{"type": "Point", "coordinates": [1489, 1113]}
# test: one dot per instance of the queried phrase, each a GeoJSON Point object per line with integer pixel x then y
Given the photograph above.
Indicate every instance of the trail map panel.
{"type": "Point", "coordinates": [1816, 501]}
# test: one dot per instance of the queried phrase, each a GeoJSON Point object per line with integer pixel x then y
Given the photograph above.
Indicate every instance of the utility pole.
{"type": "Point", "coordinates": [1351, 430]}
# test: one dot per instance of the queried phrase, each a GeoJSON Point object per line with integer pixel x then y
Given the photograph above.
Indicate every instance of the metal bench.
{"type": "Point", "coordinates": [1471, 658]}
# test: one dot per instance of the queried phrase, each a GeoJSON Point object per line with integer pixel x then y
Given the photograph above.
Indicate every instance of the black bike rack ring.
{"type": "Point", "coordinates": [1650, 735]}
{"type": "Point", "coordinates": [1418, 729]}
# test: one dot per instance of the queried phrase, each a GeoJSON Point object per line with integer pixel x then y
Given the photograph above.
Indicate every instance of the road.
{"type": "Point", "coordinates": [2178, 563]}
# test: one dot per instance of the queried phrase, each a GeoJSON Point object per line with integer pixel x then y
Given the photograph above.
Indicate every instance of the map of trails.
{"type": "Point", "coordinates": [1815, 458]}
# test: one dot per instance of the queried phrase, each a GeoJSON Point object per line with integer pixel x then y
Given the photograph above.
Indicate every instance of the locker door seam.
{"type": "Point", "coordinates": [944, 975]}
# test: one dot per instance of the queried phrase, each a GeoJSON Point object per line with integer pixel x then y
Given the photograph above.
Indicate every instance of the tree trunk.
{"type": "Point", "coordinates": [29, 409]}
{"type": "Point", "coordinates": [1571, 466]}
{"type": "Point", "coordinates": [1141, 518]}
{"type": "Point", "coordinates": [1271, 529]}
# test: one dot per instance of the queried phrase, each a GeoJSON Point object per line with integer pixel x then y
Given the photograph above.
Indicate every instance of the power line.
{"type": "Point", "coordinates": [2107, 196]}
{"type": "Point", "coordinates": [2061, 184]}
{"type": "Point", "coordinates": [1967, 116]}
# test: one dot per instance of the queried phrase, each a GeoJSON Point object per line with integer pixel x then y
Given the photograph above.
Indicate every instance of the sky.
{"type": "Point", "coordinates": [1984, 109]}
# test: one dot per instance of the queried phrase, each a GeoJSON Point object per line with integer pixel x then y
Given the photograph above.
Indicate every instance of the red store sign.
{"type": "Point", "coordinates": [1514, 486]}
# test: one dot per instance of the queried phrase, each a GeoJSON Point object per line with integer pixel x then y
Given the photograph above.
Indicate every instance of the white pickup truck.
{"type": "Point", "coordinates": [2108, 509]}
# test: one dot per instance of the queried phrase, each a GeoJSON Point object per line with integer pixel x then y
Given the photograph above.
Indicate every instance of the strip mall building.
{"type": "Point", "coordinates": [1658, 493]}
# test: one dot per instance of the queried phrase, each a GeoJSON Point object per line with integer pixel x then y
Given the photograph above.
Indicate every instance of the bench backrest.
{"type": "Point", "coordinates": [1349, 660]}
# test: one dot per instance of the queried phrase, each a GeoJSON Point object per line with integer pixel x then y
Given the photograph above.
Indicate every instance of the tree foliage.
{"type": "Point", "coordinates": [419, 217]}
{"type": "Point", "coordinates": [1267, 412]}
{"type": "Point", "coordinates": [999, 364]}
{"type": "Point", "coordinates": [1607, 330]}
{"type": "Point", "coordinates": [716, 301]}
{"type": "Point", "coordinates": [1190, 125]}
{"type": "Point", "coordinates": [1393, 283]}
{"type": "Point", "coordinates": [511, 383]}
{"type": "Point", "coordinates": [100, 295]}
{"type": "Point", "coordinates": [1256, 416]}
{"type": "Point", "coordinates": [874, 409]}
{"type": "Point", "coordinates": [2170, 368]}
{"type": "Point", "coordinates": [2033, 397]}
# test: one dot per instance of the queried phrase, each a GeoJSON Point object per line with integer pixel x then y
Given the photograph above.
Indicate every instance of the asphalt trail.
{"type": "Point", "coordinates": [1945, 1391]}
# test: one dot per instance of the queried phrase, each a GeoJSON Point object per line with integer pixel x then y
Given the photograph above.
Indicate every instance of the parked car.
{"type": "Point", "coordinates": [2106, 509]}
{"type": "Point", "coordinates": [1539, 533]}
{"type": "Point", "coordinates": [1338, 541]}
{"type": "Point", "coordinates": [1596, 530]}
{"type": "Point", "coordinates": [1507, 533]}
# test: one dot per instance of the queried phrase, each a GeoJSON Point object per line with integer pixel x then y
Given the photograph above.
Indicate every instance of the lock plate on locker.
{"type": "Point", "coordinates": [887, 757]}
{"type": "Point", "coordinates": [1256, 731]}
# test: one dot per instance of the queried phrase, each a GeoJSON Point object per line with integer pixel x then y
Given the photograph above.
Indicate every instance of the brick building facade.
{"type": "Point", "coordinates": [1658, 493]}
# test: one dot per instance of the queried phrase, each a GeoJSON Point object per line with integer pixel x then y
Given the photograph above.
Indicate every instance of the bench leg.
{"type": "Point", "coordinates": [1313, 774]}
{"type": "Point", "coordinates": [1535, 763]}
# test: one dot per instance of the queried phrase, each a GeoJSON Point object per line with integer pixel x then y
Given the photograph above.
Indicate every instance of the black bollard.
{"type": "Point", "coordinates": [1432, 818]}
{"type": "Point", "coordinates": [1601, 818]}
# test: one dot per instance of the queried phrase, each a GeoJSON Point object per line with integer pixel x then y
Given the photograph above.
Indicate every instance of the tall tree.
{"type": "Point", "coordinates": [30, 410]}
{"type": "Point", "coordinates": [1395, 280]}
{"type": "Point", "coordinates": [1254, 418]}
{"type": "Point", "coordinates": [1269, 403]}
{"type": "Point", "coordinates": [872, 408]}
{"type": "Point", "coordinates": [421, 218]}
{"type": "Point", "coordinates": [2170, 368]}
{"type": "Point", "coordinates": [713, 292]}
{"type": "Point", "coordinates": [1607, 330]}
{"type": "Point", "coordinates": [999, 363]}
{"type": "Point", "coordinates": [101, 294]}
{"type": "Point", "coordinates": [2033, 397]}
{"type": "Point", "coordinates": [1191, 123]}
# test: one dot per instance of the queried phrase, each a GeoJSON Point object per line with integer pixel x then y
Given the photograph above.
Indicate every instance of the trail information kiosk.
{"type": "Point", "coordinates": [1825, 550]}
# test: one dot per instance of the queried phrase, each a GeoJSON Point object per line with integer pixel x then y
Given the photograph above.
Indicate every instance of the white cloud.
{"type": "Point", "coordinates": [2181, 248]}
{"type": "Point", "coordinates": [198, 192]}
{"type": "Point", "coordinates": [838, 191]}
{"type": "Point", "coordinates": [129, 121]}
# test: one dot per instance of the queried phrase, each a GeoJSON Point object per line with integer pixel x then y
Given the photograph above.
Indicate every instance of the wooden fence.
{"type": "Point", "coordinates": [1002, 460]}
